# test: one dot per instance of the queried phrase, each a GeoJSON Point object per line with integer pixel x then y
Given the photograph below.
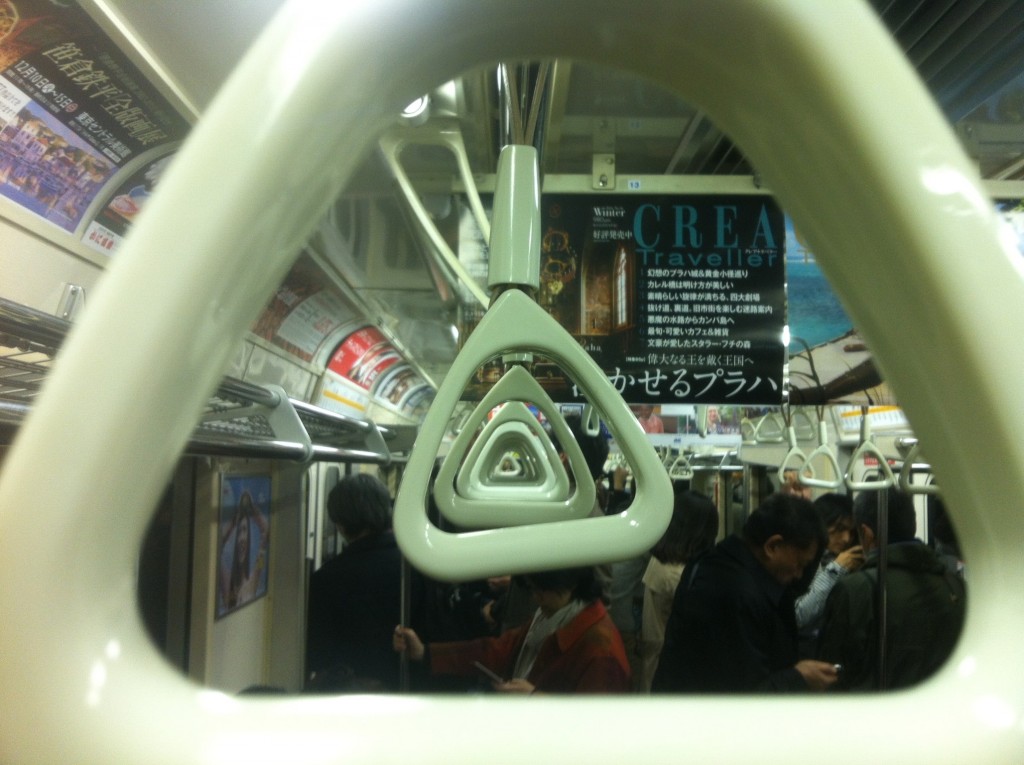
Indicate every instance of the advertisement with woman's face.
{"type": "Point", "coordinates": [244, 534]}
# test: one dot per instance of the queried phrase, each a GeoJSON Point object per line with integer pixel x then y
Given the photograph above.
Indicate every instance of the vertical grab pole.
{"type": "Point", "coordinates": [881, 601]}
{"type": "Point", "coordinates": [405, 609]}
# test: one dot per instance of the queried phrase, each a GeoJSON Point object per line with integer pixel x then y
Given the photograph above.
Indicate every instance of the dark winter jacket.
{"type": "Point", "coordinates": [354, 605]}
{"type": "Point", "coordinates": [924, 614]}
{"type": "Point", "coordinates": [732, 628]}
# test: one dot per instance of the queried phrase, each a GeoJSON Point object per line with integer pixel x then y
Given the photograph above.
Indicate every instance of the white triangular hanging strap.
{"type": "Point", "coordinates": [513, 429]}
{"type": "Point", "coordinates": [515, 322]}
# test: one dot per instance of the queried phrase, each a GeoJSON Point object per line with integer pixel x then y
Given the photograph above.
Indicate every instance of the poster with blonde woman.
{"type": "Point", "coordinates": [244, 534]}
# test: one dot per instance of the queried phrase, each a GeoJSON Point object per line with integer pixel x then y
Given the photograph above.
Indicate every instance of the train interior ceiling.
{"type": "Point", "coordinates": [379, 267]}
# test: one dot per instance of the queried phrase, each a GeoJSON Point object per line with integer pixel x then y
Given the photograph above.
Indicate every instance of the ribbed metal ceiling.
{"type": "Point", "coordinates": [970, 54]}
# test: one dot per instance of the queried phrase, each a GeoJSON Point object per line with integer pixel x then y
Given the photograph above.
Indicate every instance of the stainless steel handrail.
{"type": "Point", "coordinates": [235, 422]}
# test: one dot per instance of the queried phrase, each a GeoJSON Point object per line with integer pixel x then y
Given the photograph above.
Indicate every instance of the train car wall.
{"type": "Point", "coordinates": [261, 643]}
{"type": "Point", "coordinates": [33, 271]}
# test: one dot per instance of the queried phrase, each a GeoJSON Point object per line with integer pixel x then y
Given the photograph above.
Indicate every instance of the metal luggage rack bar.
{"type": "Point", "coordinates": [241, 419]}
{"type": "Point", "coordinates": [724, 461]}
{"type": "Point", "coordinates": [29, 340]}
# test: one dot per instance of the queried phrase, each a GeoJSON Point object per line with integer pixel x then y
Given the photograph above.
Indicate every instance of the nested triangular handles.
{"type": "Point", "coordinates": [516, 323]}
{"type": "Point", "coordinates": [541, 525]}
{"type": "Point", "coordinates": [467, 494]}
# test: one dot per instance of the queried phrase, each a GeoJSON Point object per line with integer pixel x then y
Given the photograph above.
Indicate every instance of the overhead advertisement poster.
{"type": "Point", "coordinates": [73, 110]}
{"type": "Point", "coordinates": [678, 299]}
{"type": "Point", "coordinates": [366, 367]}
{"type": "Point", "coordinates": [304, 311]}
{"type": "Point", "coordinates": [111, 224]}
{"type": "Point", "coordinates": [829, 360]}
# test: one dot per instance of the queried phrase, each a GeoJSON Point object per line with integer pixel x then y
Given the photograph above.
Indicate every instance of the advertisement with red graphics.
{"type": "Point", "coordinates": [366, 362]}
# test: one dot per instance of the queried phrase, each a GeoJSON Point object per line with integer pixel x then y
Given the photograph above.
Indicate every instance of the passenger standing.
{"type": "Point", "coordinates": [840, 557]}
{"type": "Point", "coordinates": [515, 605]}
{"type": "Point", "coordinates": [690, 533]}
{"type": "Point", "coordinates": [925, 604]}
{"type": "Point", "coordinates": [355, 598]}
{"type": "Point", "coordinates": [569, 646]}
{"type": "Point", "coordinates": [648, 419]}
{"type": "Point", "coordinates": [732, 626]}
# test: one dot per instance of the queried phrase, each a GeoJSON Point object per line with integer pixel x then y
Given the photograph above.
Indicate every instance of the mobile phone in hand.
{"type": "Point", "coordinates": [495, 678]}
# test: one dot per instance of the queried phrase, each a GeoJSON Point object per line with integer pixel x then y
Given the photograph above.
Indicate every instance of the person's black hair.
{"type": "Point", "coordinates": [360, 504]}
{"type": "Point", "coordinates": [791, 517]}
{"type": "Point", "coordinates": [594, 448]}
{"type": "Point", "coordinates": [941, 525]}
{"type": "Point", "coordinates": [262, 690]}
{"type": "Point", "coordinates": [899, 508]}
{"type": "Point", "coordinates": [834, 507]}
{"type": "Point", "coordinates": [691, 531]}
{"type": "Point", "coordinates": [581, 582]}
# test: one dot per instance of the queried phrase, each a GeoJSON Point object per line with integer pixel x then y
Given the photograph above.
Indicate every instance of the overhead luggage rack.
{"type": "Point", "coordinates": [28, 342]}
{"type": "Point", "coordinates": [241, 419]}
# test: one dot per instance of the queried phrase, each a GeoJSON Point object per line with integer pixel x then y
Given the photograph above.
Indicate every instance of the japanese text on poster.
{"type": "Point", "coordinates": [73, 110]}
{"type": "Point", "coordinates": [678, 299]}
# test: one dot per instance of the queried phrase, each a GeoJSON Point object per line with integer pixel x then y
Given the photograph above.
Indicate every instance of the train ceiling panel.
{"type": "Point", "coordinates": [970, 53]}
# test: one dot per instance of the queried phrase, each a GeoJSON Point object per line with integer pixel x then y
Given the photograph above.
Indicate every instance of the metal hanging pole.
{"type": "Point", "coordinates": [405, 613]}
{"type": "Point", "coordinates": [881, 601]}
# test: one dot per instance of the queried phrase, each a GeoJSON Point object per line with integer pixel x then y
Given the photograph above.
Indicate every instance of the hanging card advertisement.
{"type": "Point", "coordinates": [110, 226]}
{"type": "Point", "coordinates": [678, 299]}
{"type": "Point", "coordinates": [829, 361]}
{"type": "Point", "coordinates": [366, 368]}
{"type": "Point", "coordinates": [304, 311]}
{"type": "Point", "coordinates": [73, 110]}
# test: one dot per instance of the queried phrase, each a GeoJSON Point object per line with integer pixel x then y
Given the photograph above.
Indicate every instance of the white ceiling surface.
{"type": "Point", "coordinates": [198, 42]}
{"type": "Point", "coordinates": [968, 52]}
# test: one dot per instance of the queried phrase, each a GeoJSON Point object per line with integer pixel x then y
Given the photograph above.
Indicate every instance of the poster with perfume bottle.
{"type": "Point", "coordinates": [679, 299]}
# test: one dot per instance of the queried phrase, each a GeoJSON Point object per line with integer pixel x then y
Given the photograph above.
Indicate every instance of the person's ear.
{"type": "Point", "coordinates": [772, 545]}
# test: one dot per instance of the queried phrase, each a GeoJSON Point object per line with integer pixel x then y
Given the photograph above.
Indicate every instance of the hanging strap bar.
{"type": "Point", "coordinates": [770, 429]}
{"type": "Point", "coordinates": [803, 425]}
{"type": "Point", "coordinates": [906, 472]}
{"type": "Point", "coordinates": [458, 491]}
{"type": "Point", "coordinates": [681, 469]}
{"type": "Point", "coordinates": [795, 459]}
{"type": "Point", "coordinates": [516, 222]}
{"type": "Point", "coordinates": [514, 323]}
{"type": "Point", "coordinates": [513, 427]}
{"type": "Point", "coordinates": [823, 452]}
{"type": "Point", "coordinates": [868, 448]}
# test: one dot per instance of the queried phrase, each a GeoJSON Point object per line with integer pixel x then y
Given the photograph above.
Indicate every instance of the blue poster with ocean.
{"type": "Point", "coordinates": [815, 314]}
{"type": "Point", "coordinates": [828, 361]}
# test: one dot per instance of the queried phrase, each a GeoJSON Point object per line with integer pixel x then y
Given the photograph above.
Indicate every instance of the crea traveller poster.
{"type": "Point", "coordinates": [679, 299]}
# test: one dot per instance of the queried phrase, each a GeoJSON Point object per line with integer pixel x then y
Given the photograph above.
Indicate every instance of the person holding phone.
{"type": "Point", "coordinates": [841, 556]}
{"type": "Point", "coordinates": [570, 645]}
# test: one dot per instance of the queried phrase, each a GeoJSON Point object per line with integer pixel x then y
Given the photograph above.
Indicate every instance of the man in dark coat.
{"type": "Point", "coordinates": [355, 598]}
{"type": "Point", "coordinates": [733, 625]}
{"type": "Point", "coordinates": [924, 604]}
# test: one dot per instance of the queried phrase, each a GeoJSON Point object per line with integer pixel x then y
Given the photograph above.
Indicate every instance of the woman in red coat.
{"type": "Point", "coordinates": [569, 646]}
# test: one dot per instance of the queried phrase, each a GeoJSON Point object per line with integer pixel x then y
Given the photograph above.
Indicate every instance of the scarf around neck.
{"type": "Point", "coordinates": [541, 628]}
